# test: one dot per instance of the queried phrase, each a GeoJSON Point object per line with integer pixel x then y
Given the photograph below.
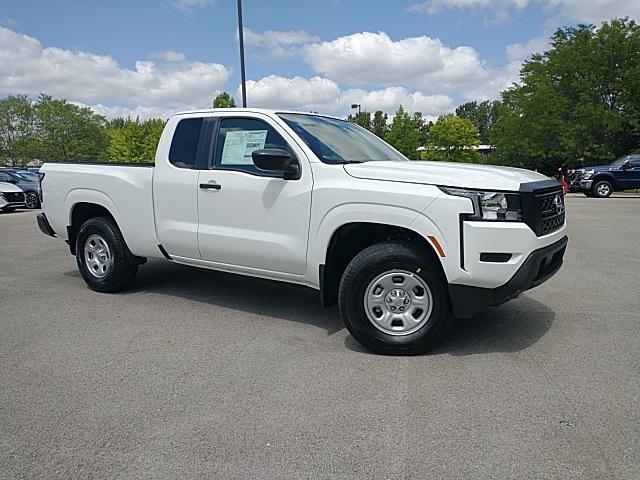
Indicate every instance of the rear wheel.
{"type": "Point", "coordinates": [103, 258]}
{"type": "Point", "coordinates": [602, 189]}
{"type": "Point", "coordinates": [393, 300]}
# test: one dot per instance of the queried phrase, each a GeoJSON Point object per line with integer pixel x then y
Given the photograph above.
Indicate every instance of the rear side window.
{"type": "Point", "coordinates": [184, 146]}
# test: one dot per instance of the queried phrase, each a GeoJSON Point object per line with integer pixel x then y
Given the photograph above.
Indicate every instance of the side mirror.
{"type": "Point", "coordinates": [275, 160]}
{"type": "Point", "coordinates": [12, 180]}
{"type": "Point", "coordinates": [626, 165]}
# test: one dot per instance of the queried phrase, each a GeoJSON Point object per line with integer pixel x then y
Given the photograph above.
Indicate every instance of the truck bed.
{"type": "Point", "coordinates": [126, 190]}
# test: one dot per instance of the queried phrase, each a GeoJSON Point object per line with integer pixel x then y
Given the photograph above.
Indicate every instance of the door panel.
{"type": "Point", "coordinates": [175, 187]}
{"type": "Point", "coordinates": [253, 220]}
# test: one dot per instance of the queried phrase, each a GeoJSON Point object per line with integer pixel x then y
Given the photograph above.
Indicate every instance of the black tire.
{"type": "Point", "coordinates": [588, 193]}
{"type": "Point", "coordinates": [124, 265]}
{"type": "Point", "coordinates": [9, 209]}
{"type": "Point", "coordinates": [602, 189]}
{"type": "Point", "coordinates": [31, 200]}
{"type": "Point", "coordinates": [365, 268]}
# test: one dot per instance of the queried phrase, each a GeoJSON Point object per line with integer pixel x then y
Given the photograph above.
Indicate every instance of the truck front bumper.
{"type": "Point", "coordinates": [540, 266]}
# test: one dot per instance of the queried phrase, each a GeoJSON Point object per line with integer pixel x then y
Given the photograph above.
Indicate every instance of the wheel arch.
{"type": "Point", "coordinates": [350, 238]}
{"type": "Point", "coordinates": [606, 176]}
{"type": "Point", "coordinates": [79, 213]}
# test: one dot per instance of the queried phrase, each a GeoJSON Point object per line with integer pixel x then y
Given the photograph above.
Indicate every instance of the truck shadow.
{"type": "Point", "coordinates": [508, 328]}
{"type": "Point", "coordinates": [511, 327]}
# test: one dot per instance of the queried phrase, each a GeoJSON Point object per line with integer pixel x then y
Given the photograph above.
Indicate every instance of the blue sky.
{"type": "Point", "coordinates": [150, 57]}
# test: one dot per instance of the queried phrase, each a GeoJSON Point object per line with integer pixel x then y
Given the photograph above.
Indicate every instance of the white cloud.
{"type": "Point", "coordinates": [26, 67]}
{"type": "Point", "coordinates": [168, 56]}
{"type": "Point", "coordinates": [595, 10]}
{"type": "Point", "coordinates": [278, 44]}
{"type": "Point", "coordinates": [373, 58]}
{"type": "Point", "coordinates": [190, 5]}
{"type": "Point", "coordinates": [577, 10]}
{"type": "Point", "coordinates": [325, 96]}
{"type": "Point", "coordinates": [522, 51]}
{"type": "Point", "coordinates": [296, 93]}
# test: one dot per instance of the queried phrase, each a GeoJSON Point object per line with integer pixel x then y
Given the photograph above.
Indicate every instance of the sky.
{"type": "Point", "coordinates": [150, 58]}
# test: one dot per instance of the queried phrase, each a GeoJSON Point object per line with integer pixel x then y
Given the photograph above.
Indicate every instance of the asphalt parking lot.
{"type": "Point", "coordinates": [198, 374]}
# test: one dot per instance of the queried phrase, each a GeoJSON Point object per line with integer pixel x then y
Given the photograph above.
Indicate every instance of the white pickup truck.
{"type": "Point", "coordinates": [402, 246]}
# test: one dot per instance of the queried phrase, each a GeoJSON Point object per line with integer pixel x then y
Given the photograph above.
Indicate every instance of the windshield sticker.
{"type": "Point", "coordinates": [238, 146]}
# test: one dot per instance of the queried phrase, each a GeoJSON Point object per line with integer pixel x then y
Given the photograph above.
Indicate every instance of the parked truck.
{"type": "Point", "coordinates": [403, 247]}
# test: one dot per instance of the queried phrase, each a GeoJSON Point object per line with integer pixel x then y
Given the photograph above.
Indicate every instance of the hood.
{"type": "Point", "coordinates": [462, 175]}
{"type": "Point", "coordinates": [600, 168]}
{"type": "Point", "coordinates": [9, 188]}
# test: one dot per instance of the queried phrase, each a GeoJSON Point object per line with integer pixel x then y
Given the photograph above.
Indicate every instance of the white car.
{"type": "Point", "coordinates": [403, 247]}
{"type": "Point", "coordinates": [11, 197]}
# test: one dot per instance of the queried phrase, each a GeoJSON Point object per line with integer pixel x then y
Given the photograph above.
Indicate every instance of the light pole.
{"type": "Point", "coordinates": [241, 38]}
{"type": "Point", "coordinates": [356, 105]}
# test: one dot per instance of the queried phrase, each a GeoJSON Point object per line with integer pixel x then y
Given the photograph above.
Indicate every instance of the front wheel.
{"type": "Point", "coordinates": [393, 300]}
{"type": "Point", "coordinates": [103, 258]}
{"type": "Point", "coordinates": [602, 189]}
{"type": "Point", "coordinates": [31, 200]}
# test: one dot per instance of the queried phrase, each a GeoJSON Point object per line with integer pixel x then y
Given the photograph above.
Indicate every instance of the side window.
{"type": "Point", "coordinates": [184, 145]}
{"type": "Point", "coordinates": [4, 177]}
{"type": "Point", "coordinates": [238, 138]}
{"type": "Point", "coordinates": [635, 161]}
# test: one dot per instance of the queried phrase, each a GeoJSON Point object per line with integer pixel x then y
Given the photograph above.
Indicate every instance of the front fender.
{"type": "Point", "coordinates": [344, 214]}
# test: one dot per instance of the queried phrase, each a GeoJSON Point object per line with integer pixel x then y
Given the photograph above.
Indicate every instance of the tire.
{"type": "Point", "coordinates": [32, 200]}
{"type": "Point", "coordinates": [588, 193]}
{"type": "Point", "coordinates": [109, 266]}
{"type": "Point", "coordinates": [602, 189]}
{"type": "Point", "coordinates": [388, 263]}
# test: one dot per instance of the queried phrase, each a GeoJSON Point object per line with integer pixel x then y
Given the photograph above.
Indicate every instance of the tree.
{"type": "Point", "coordinates": [361, 118]}
{"type": "Point", "coordinates": [66, 132]}
{"type": "Point", "coordinates": [578, 100]}
{"type": "Point", "coordinates": [133, 141]}
{"type": "Point", "coordinates": [452, 139]}
{"type": "Point", "coordinates": [224, 100]}
{"type": "Point", "coordinates": [379, 123]}
{"type": "Point", "coordinates": [404, 134]}
{"type": "Point", "coordinates": [17, 130]}
{"type": "Point", "coordinates": [483, 115]}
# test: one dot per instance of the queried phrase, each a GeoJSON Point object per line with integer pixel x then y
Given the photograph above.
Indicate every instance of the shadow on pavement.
{"type": "Point", "coordinates": [508, 328]}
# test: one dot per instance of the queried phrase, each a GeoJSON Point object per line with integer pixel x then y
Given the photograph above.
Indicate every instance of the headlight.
{"type": "Point", "coordinates": [491, 206]}
{"type": "Point", "coordinates": [588, 174]}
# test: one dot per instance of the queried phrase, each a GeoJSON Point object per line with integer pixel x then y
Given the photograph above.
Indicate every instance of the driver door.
{"type": "Point", "coordinates": [252, 219]}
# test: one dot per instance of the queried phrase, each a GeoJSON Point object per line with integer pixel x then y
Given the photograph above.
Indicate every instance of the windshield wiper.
{"type": "Point", "coordinates": [347, 162]}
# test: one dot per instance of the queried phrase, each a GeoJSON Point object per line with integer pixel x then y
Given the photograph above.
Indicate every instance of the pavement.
{"type": "Point", "coordinates": [196, 374]}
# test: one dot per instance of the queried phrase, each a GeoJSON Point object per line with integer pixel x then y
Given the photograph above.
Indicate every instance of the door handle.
{"type": "Point", "coordinates": [207, 186]}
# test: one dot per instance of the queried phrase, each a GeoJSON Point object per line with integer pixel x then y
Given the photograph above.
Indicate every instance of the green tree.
{"type": "Point", "coordinates": [224, 100]}
{"type": "Point", "coordinates": [483, 115]}
{"type": "Point", "coordinates": [452, 139]}
{"type": "Point", "coordinates": [403, 134]}
{"type": "Point", "coordinates": [67, 133]}
{"type": "Point", "coordinates": [17, 130]}
{"type": "Point", "coordinates": [379, 123]}
{"type": "Point", "coordinates": [133, 141]}
{"type": "Point", "coordinates": [361, 118]}
{"type": "Point", "coordinates": [578, 100]}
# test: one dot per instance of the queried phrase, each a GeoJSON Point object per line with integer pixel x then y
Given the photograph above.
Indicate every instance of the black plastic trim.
{"type": "Point", "coordinates": [164, 252]}
{"type": "Point", "coordinates": [44, 226]}
{"type": "Point", "coordinates": [540, 266]}
{"type": "Point", "coordinates": [495, 257]}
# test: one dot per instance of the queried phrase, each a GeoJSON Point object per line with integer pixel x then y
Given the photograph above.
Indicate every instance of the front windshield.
{"type": "Point", "coordinates": [619, 161]}
{"type": "Point", "coordinates": [29, 177]}
{"type": "Point", "coordinates": [338, 141]}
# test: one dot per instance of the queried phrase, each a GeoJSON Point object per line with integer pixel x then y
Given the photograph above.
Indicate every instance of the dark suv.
{"type": "Point", "coordinates": [602, 181]}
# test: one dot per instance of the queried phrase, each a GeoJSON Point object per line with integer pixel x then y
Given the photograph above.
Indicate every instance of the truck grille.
{"type": "Point", "coordinates": [543, 207]}
{"type": "Point", "coordinates": [552, 211]}
{"type": "Point", "coordinates": [17, 197]}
